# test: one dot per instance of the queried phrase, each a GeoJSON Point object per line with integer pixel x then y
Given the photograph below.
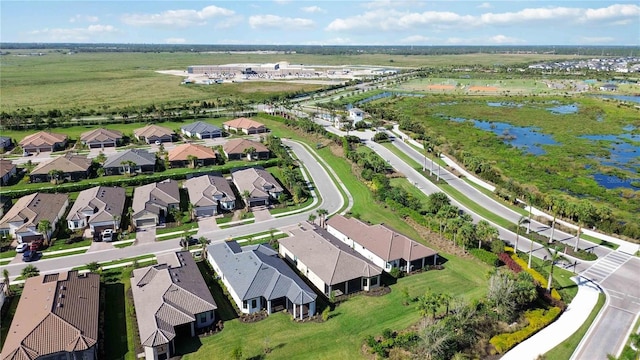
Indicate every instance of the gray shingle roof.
{"type": "Point", "coordinates": [31, 209]}
{"type": "Point", "coordinates": [138, 156]}
{"type": "Point", "coordinates": [200, 127]}
{"type": "Point", "coordinates": [103, 202]}
{"type": "Point", "coordinates": [258, 181]}
{"type": "Point", "coordinates": [329, 258]}
{"type": "Point", "coordinates": [256, 270]}
{"type": "Point", "coordinates": [166, 296]}
{"type": "Point", "coordinates": [152, 196]}
{"type": "Point", "coordinates": [206, 190]}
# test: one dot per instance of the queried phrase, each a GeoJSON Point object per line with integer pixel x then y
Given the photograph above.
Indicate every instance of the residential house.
{"type": "Point", "coordinates": [328, 263]}
{"type": "Point", "coordinates": [244, 125]}
{"type": "Point", "coordinates": [152, 133]}
{"type": "Point", "coordinates": [132, 161]}
{"type": "Point", "coordinates": [171, 299]}
{"type": "Point", "coordinates": [7, 170]}
{"type": "Point", "coordinates": [609, 87]}
{"type": "Point", "coordinates": [5, 143]}
{"type": "Point", "coordinates": [57, 318]}
{"type": "Point", "coordinates": [99, 208]}
{"type": "Point", "coordinates": [201, 130]}
{"type": "Point", "coordinates": [21, 221]}
{"type": "Point", "coordinates": [152, 202]}
{"type": "Point", "coordinates": [259, 184]}
{"type": "Point", "coordinates": [237, 149]}
{"type": "Point", "coordinates": [381, 245]}
{"type": "Point", "coordinates": [356, 115]}
{"type": "Point", "coordinates": [72, 167]}
{"type": "Point", "coordinates": [257, 279]}
{"type": "Point", "coordinates": [101, 138]}
{"type": "Point", "coordinates": [43, 141]}
{"type": "Point", "coordinates": [191, 155]}
{"type": "Point", "coordinates": [210, 194]}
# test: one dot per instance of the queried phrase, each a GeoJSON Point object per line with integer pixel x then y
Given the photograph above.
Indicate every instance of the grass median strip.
{"type": "Point", "coordinates": [46, 255]}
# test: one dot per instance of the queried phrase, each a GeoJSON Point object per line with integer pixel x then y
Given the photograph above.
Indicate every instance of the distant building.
{"type": "Point", "coordinates": [356, 115]}
{"type": "Point", "coordinates": [152, 133]}
{"type": "Point", "coordinates": [23, 218]}
{"type": "Point", "coordinates": [152, 202]}
{"type": "Point", "coordinates": [201, 130]}
{"type": "Point", "coordinates": [236, 149]}
{"type": "Point", "coordinates": [609, 87]}
{"type": "Point", "coordinates": [189, 154]}
{"type": "Point", "coordinates": [43, 141]}
{"type": "Point", "coordinates": [7, 170]}
{"type": "Point", "coordinates": [101, 138]}
{"type": "Point", "coordinates": [99, 208]}
{"type": "Point", "coordinates": [132, 161]}
{"type": "Point", "coordinates": [5, 143]}
{"type": "Point", "coordinates": [245, 125]}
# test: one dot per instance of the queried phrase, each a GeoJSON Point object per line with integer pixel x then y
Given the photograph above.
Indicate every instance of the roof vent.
{"type": "Point", "coordinates": [60, 296]}
{"type": "Point", "coordinates": [59, 305]}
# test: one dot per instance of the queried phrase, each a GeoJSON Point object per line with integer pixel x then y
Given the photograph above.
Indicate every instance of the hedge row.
{"type": "Point", "coordinates": [537, 320]}
{"type": "Point", "coordinates": [537, 277]}
{"type": "Point", "coordinates": [507, 260]}
{"type": "Point", "coordinates": [485, 256]}
{"type": "Point", "coordinates": [135, 180]}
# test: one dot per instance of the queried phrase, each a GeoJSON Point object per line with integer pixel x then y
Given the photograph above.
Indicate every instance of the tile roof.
{"type": "Point", "coordinates": [238, 146]}
{"type": "Point", "coordinates": [182, 152]}
{"type": "Point", "coordinates": [67, 163]}
{"type": "Point", "coordinates": [152, 196]}
{"type": "Point", "coordinates": [100, 135]}
{"type": "Point", "coordinates": [31, 209]}
{"type": "Point", "coordinates": [207, 190]}
{"type": "Point", "coordinates": [153, 130]}
{"type": "Point", "coordinates": [168, 294]}
{"type": "Point", "coordinates": [43, 138]}
{"type": "Point", "coordinates": [5, 167]}
{"type": "Point", "coordinates": [138, 156]}
{"type": "Point", "coordinates": [258, 181]}
{"type": "Point", "coordinates": [102, 202]}
{"type": "Point", "coordinates": [256, 270]}
{"type": "Point", "coordinates": [329, 258]}
{"type": "Point", "coordinates": [381, 240]}
{"type": "Point", "coordinates": [56, 313]}
{"type": "Point", "coordinates": [200, 127]}
{"type": "Point", "coordinates": [243, 123]}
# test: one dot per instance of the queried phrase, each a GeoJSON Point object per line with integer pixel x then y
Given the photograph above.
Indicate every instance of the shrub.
{"type": "Point", "coordinates": [325, 313]}
{"type": "Point", "coordinates": [537, 277]}
{"type": "Point", "coordinates": [537, 320]}
{"type": "Point", "coordinates": [509, 262]}
{"type": "Point", "coordinates": [485, 256]}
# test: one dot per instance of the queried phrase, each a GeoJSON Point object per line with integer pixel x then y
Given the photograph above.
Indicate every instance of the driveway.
{"type": "Point", "coordinates": [261, 213]}
{"type": "Point", "coordinates": [206, 225]}
{"type": "Point", "coordinates": [146, 235]}
{"type": "Point", "coordinates": [99, 246]}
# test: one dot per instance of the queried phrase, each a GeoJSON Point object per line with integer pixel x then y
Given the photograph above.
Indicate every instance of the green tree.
{"type": "Point", "coordinates": [322, 213]}
{"type": "Point", "coordinates": [554, 256]}
{"type": "Point", "coordinates": [203, 244]}
{"type": "Point", "coordinates": [429, 304]}
{"type": "Point", "coordinates": [521, 221]}
{"type": "Point", "coordinates": [101, 158]}
{"type": "Point", "coordinates": [29, 271]}
{"type": "Point", "coordinates": [311, 218]}
{"type": "Point", "coordinates": [193, 161]}
{"type": "Point", "coordinates": [485, 232]}
{"type": "Point", "coordinates": [55, 176]}
{"type": "Point", "coordinates": [245, 196]}
{"type": "Point", "coordinates": [44, 227]}
{"type": "Point", "coordinates": [585, 214]}
{"type": "Point", "coordinates": [7, 287]}
{"type": "Point", "coordinates": [437, 201]}
{"type": "Point", "coordinates": [93, 267]}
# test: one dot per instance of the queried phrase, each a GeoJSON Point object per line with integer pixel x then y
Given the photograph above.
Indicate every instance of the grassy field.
{"type": "Point", "coordinates": [341, 337]}
{"type": "Point", "coordinates": [565, 349]}
{"type": "Point", "coordinates": [117, 80]}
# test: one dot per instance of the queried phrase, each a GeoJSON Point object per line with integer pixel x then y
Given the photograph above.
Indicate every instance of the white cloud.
{"type": "Point", "coordinates": [416, 39]}
{"type": "Point", "coordinates": [177, 18]}
{"type": "Point", "coordinates": [90, 33]}
{"type": "Point", "coordinates": [83, 18]}
{"type": "Point", "coordinates": [387, 4]}
{"type": "Point", "coordinates": [279, 22]}
{"type": "Point", "coordinates": [484, 5]}
{"type": "Point", "coordinates": [313, 9]}
{"type": "Point", "coordinates": [616, 12]}
{"type": "Point", "coordinates": [389, 19]}
{"type": "Point", "coordinates": [281, 2]}
{"type": "Point", "coordinates": [174, 40]}
{"type": "Point", "coordinates": [502, 39]}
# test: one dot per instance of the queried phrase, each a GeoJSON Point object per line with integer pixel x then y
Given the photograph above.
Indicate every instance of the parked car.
{"type": "Point", "coordinates": [107, 235]}
{"type": "Point", "coordinates": [158, 142]}
{"type": "Point", "coordinates": [30, 255]}
{"type": "Point", "coordinates": [22, 247]}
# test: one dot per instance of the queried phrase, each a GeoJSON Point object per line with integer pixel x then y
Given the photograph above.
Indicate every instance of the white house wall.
{"type": "Point", "coordinates": [230, 289]}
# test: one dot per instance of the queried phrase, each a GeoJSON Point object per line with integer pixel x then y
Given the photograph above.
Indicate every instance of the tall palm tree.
{"type": "Point", "coordinates": [193, 161]}
{"type": "Point", "coordinates": [554, 257]}
{"type": "Point", "coordinates": [192, 211]}
{"type": "Point", "coordinates": [530, 209]}
{"type": "Point", "coordinates": [311, 218]}
{"type": "Point", "coordinates": [530, 254]}
{"type": "Point", "coordinates": [7, 287]}
{"type": "Point", "coordinates": [521, 221]}
{"type": "Point", "coordinates": [44, 226]}
{"type": "Point", "coordinates": [323, 217]}
{"type": "Point", "coordinates": [246, 195]}
{"type": "Point", "coordinates": [29, 271]}
{"type": "Point", "coordinates": [556, 206]}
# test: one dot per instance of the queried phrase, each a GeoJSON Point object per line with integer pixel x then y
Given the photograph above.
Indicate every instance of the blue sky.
{"type": "Point", "coordinates": [286, 22]}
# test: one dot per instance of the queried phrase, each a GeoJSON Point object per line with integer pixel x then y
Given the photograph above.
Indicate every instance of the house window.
{"type": "Point", "coordinates": [253, 303]}
{"type": "Point", "coordinates": [374, 281]}
{"type": "Point", "coordinates": [244, 304]}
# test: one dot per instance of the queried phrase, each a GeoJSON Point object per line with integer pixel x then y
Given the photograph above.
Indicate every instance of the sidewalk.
{"type": "Point", "coordinates": [569, 322]}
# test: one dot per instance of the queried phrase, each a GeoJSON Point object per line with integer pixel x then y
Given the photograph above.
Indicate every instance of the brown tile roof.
{"type": "Point", "coordinates": [153, 130]}
{"type": "Point", "coordinates": [67, 163]}
{"type": "Point", "coordinates": [381, 240]}
{"type": "Point", "coordinates": [100, 135]}
{"type": "Point", "coordinates": [258, 181]}
{"type": "Point", "coordinates": [330, 259]}
{"type": "Point", "coordinates": [206, 190]}
{"type": "Point", "coordinates": [55, 314]}
{"type": "Point", "coordinates": [150, 196]}
{"type": "Point", "coordinates": [182, 152]}
{"type": "Point", "coordinates": [43, 138]}
{"type": "Point", "coordinates": [167, 295]}
{"type": "Point", "coordinates": [102, 202]}
{"type": "Point", "coordinates": [5, 167]}
{"type": "Point", "coordinates": [243, 123]}
{"type": "Point", "coordinates": [30, 209]}
{"type": "Point", "coordinates": [238, 146]}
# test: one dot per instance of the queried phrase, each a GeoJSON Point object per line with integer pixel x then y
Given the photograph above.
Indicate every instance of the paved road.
{"type": "Point", "coordinates": [332, 201]}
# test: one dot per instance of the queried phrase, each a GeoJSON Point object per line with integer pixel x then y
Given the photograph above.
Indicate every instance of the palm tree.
{"type": "Point", "coordinates": [192, 211]}
{"type": "Point", "coordinates": [55, 176]}
{"type": "Point", "coordinates": [530, 209]}
{"type": "Point", "coordinates": [193, 160]}
{"type": "Point", "coordinates": [7, 287]}
{"type": "Point", "coordinates": [585, 212]}
{"type": "Point", "coordinates": [554, 257]}
{"type": "Point", "coordinates": [93, 267]}
{"type": "Point", "coordinates": [522, 220]}
{"type": "Point", "coordinates": [323, 217]}
{"type": "Point", "coordinates": [246, 195]}
{"type": "Point", "coordinates": [203, 242]}
{"type": "Point", "coordinates": [555, 205]}
{"type": "Point", "coordinates": [29, 271]}
{"type": "Point", "coordinates": [446, 299]}
{"type": "Point", "coordinates": [44, 226]}
{"type": "Point", "coordinates": [485, 232]}
{"type": "Point", "coordinates": [530, 254]}
{"type": "Point", "coordinates": [127, 166]}
{"type": "Point", "coordinates": [249, 152]}
{"type": "Point", "coordinates": [311, 218]}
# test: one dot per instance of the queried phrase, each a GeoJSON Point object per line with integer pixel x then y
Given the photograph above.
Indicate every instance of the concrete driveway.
{"type": "Point", "coordinates": [146, 235]}
{"type": "Point", "coordinates": [261, 213]}
{"type": "Point", "coordinates": [207, 225]}
{"type": "Point", "coordinates": [98, 246]}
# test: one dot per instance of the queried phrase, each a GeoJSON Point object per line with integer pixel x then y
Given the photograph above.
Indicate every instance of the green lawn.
{"type": "Point", "coordinates": [61, 245]}
{"type": "Point", "coordinates": [341, 337]}
{"type": "Point", "coordinates": [46, 255]}
{"type": "Point", "coordinates": [8, 254]}
{"type": "Point", "coordinates": [188, 227]}
{"type": "Point", "coordinates": [565, 349]}
{"type": "Point", "coordinates": [115, 325]}
{"type": "Point", "coordinates": [11, 304]}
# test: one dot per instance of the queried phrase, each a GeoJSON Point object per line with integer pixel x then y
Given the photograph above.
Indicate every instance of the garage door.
{"type": "Point", "coordinates": [145, 222]}
{"type": "Point", "coordinates": [257, 202]}
{"type": "Point", "coordinates": [205, 212]}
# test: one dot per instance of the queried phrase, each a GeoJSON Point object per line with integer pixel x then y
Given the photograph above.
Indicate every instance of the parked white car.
{"type": "Point", "coordinates": [22, 247]}
{"type": "Point", "coordinates": [107, 235]}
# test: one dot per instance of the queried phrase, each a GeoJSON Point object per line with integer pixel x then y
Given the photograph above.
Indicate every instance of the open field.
{"type": "Point", "coordinates": [118, 80]}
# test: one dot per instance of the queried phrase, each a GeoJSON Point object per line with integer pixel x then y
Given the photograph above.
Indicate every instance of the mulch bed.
{"type": "Point", "coordinates": [255, 317]}
{"type": "Point", "coordinates": [379, 291]}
